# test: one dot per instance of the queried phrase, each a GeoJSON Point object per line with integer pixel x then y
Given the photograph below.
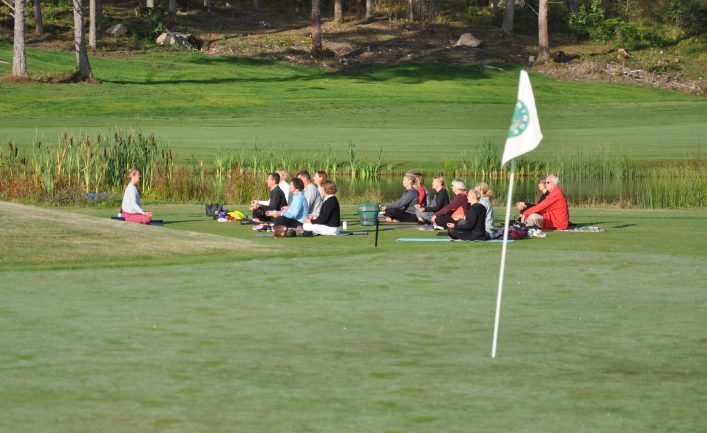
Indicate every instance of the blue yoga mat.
{"type": "Point", "coordinates": [444, 240]}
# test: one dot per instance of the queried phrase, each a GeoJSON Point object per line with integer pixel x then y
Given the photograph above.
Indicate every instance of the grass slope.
{"type": "Point", "coordinates": [600, 332]}
{"type": "Point", "coordinates": [418, 112]}
{"type": "Point", "coordinates": [34, 236]}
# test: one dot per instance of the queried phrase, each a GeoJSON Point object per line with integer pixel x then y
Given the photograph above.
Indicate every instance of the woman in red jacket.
{"type": "Point", "coordinates": [551, 213]}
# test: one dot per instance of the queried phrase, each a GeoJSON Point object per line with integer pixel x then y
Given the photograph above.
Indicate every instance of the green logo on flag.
{"type": "Point", "coordinates": [520, 120]}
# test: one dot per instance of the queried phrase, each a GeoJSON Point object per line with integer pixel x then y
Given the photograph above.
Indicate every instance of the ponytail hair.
{"type": "Point", "coordinates": [484, 189]}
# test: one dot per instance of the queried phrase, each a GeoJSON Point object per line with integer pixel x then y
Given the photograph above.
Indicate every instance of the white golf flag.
{"type": "Point", "coordinates": [524, 134]}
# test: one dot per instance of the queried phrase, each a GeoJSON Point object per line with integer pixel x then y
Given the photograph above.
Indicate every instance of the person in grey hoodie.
{"type": "Point", "coordinates": [403, 210]}
{"type": "Point", "coordinates": [485, 200]}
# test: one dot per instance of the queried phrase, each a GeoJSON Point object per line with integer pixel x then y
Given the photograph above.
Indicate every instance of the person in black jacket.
{"type": "Point", "coordinates": [276, 203]}
{"type": "Point", "coordinates": [472, 227]}
{"type": "Point", "coordinates": [327, 223]}
{"type": "Point", "coordinates": [540, 196]}
{"type": "Point", "coordinates": [437, 198]}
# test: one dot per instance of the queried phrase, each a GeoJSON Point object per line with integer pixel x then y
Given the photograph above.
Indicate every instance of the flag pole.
{"type": "Point", "coordinates": [503, 258]}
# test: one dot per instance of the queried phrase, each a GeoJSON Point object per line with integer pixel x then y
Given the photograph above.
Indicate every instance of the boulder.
{"type": "Point", "coordinates": [468, 40]}
{"type": "Point", "coordinates": [176, 39]}
{"type": "Point", "coordinates": [117, 29]}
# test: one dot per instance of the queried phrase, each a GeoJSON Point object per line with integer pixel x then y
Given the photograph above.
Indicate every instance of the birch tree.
{"type": "Point", "coordinates": [92, 24]}
{"type": "Point", "coordinates": [19, 58]}
{"type": "Point", "coordinates": [369, 10]}
{"type": "Point", "coordinates": [316, 29]}
{"type": "Point", "coordinates": [172, 7]}
{"type": "Point", "coordinates": [543, 35]}
{"type": "Point", "coordinates": [82, 64]}
{"type": "Point", "coordinates": [38, 24]}
{"type": "Point", "coordinates": [508, 16]}
{"type": "Point", "coordinates": [338, 11]}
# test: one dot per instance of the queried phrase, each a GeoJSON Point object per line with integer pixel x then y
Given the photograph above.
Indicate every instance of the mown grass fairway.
{"type": "Point", "coordinates": [421, 114]}
{"type": "Point", "coordinates": [600, 332]}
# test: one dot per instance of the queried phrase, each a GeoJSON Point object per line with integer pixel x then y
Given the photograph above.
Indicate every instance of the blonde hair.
{"type": "Point", "coordinates": [411, 177]}
{"type": "Point", "coordinates": [329, 187]}
{"type": "Point", "coordinates": [484, 189]}
{"type": "Point", "coordinates": [441, 181]}
{"type": "Point", "coordinates": [475, 192]}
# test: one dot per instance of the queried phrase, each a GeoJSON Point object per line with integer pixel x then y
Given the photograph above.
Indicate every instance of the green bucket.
{"type": "Point", "coordinates": [368, 213]}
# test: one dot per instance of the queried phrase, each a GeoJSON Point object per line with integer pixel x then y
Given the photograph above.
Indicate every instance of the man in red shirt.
{"type": "Point", "coordinates": [551, 213]}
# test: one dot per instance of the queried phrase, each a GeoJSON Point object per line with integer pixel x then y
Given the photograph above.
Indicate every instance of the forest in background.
{"type": "Point", "coordinates": [661, 43]}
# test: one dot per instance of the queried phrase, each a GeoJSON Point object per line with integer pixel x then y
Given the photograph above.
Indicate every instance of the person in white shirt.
{"type": "Point", "coordinates": [284, 183]}
{"type": "Point", "coordinates": [131, 208]}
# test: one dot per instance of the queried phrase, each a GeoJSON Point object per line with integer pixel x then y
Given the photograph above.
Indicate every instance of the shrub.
{"type": "Point", "coordinates": [689, 15]}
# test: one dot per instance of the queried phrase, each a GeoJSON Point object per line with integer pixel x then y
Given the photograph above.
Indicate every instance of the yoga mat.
{"type": "Point", "coordinates": [159, 223]}
{"type": "Point", "coordinates": [444, 240]}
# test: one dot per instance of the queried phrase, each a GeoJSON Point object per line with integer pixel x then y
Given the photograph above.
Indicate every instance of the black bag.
{"type": "Point", "coordinates": [212, 209]}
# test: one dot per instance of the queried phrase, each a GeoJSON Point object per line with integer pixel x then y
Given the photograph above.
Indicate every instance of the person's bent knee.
{"type": "Point", "coordinates": [534, 220]}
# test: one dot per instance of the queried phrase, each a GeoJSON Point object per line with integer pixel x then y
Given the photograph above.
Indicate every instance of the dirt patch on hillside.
{"type": "Point", "coordinates": [382, 42]}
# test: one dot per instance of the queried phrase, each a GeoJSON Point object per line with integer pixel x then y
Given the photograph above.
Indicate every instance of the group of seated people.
{"type": "Point", "coordinates": [308, 205]}
{"type": "Point", "coordinates": [311, 205]}
{"type": "Point", "coordinates": [468, 215]}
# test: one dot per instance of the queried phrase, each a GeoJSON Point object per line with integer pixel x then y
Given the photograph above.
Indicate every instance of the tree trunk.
{"type": "Point", "coordinates": [543, 35]}
{"type": "Point", "coordinates": [411, 13]}
{"type": "Point", "coordinates": [433, 8]}
{"type": "Point", "coordinates": [207, 4]}
{"type": "Point", "coordinates": [496, 12]}
{"type": "Point", "coordinates": [150, 4]}
{"type": "Point", "coordinates": [256, 4]}
{"type": "Point", "coordinates": [369, 10]}
{"type": "Point", "coordinates": [92, 24]}
{"type": "Point", "coordinates": [508, 16]}
{"type": "Point", "coordinates": [19, 58]}
{"type": "Point", "coordinates": [573, 5]}
{"type": "Point", "coordinates": [338, 11]}
{"type": "Point", "coordinates": [99, 15]}
{"type": "Point", "coordinates": [172, 7]}
{"type": "Point", "coordinates": [316, 29]}
{"type": "Point", "coordinates": [83, 67]}
{"type": "Point", "coordinates": [38, 24]}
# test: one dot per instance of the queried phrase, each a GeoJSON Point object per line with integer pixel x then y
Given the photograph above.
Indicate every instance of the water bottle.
{"type": "Point", "coordinates": [345, 225]}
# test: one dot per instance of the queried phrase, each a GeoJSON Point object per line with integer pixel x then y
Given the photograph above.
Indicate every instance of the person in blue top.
{"type": "Point", "coordinates": [296, 213]}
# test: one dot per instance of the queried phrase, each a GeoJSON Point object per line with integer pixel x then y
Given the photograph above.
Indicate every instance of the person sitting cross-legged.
{"type": "Point", "coordinates": [436, 200]}
{"type": "Point", "coordinates": [403, 210]}
{"type": "Point", "coordinates": [131, 208]}
{"type": "Point", "coordinates": [553, 212]}
{"type": "Point", "coordinates": [277, 199]}
{"type": "Point", "coordinates": [456, 207]}
{"type": "Point", "coordinates": [472, 226]}
{"type": "Point", "coordinates": [311, 194]}
{"type": "Point", "coordinates": [296, 213]}
{"type": "Point", "coordinates": [485, 200]}
{"type": "Point", "coordinates": [540, 196]}
{"type": "Point", "coordinates": [329, 218]}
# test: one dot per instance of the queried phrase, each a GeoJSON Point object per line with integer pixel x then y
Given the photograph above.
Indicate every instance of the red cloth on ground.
{"type": "Point", "coordinates": [554, 209]}
{"type": "Point", "coordinates": [137, 218]}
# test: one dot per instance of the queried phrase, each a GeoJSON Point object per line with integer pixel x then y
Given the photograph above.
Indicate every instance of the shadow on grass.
{"type": "Point", "coordinates": [409, 73]}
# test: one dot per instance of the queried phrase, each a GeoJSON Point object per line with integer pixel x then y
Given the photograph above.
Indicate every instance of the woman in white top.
{"type": "Point", "coordinates": [132, 206]}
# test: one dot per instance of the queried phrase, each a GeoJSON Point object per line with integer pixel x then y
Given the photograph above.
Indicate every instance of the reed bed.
{"type": "Point", "coordinates": [76, 169]}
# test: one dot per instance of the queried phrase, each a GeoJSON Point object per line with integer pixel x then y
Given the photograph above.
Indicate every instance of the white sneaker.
{"type": "Point", "coordinates": [436, 227]}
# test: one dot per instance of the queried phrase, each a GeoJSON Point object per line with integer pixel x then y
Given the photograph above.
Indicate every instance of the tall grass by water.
{"type": "Point", "coordinates": [80, 168]}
